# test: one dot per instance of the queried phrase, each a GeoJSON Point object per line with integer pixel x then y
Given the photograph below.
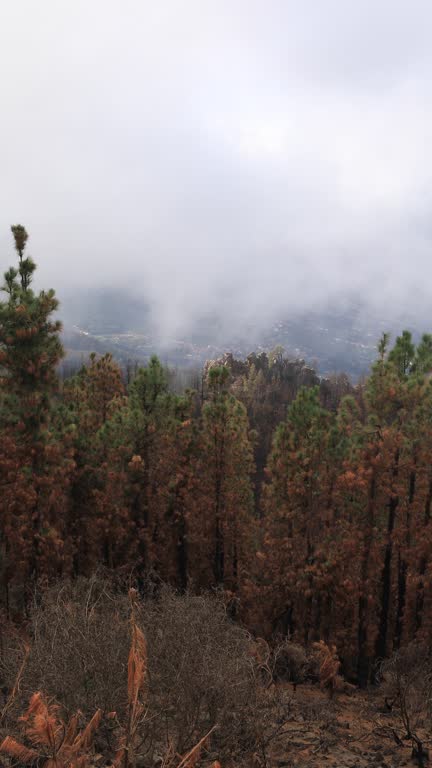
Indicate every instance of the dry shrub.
{"type": "Point", "coordinates": [198, 670]}
{"type": "Point", "coordinates": [80, 639]}
{"type": "Point", "coordinates": [407, 685]}
{"type": "Point", "coordinates": [283, 661]}
{"type": "Point", "coordinates": [13, 659]}
{"type": "Point", "coordinates": [50, 741]}
{"type": "Point", "coordinates": [291, 662]}
{"type": "Point", "coordinates": [262, 657]}
{"type": "Point", "coordinates": [329, 666]}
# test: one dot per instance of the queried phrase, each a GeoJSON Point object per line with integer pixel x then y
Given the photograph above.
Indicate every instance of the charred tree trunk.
{"type": "Point", "coordinates": [403, 565]}
{"type": "Point", "coordinates": [381, 643]}
{"type": "Point", "coordinates": [423, 564]}
{"type": "Point", "coordinates": [363, 660]}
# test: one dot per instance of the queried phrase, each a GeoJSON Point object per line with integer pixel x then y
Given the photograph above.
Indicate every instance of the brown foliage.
{"type": "Point", "coordinates": [329, 666]}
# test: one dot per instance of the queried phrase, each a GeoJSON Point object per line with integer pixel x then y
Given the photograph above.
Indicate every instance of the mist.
{"type": "Point", "coordinates": [248, 159]}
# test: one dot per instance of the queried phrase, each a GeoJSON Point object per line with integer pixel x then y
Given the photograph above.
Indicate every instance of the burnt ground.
{"type": "Point", "coordinates": [311, 731]}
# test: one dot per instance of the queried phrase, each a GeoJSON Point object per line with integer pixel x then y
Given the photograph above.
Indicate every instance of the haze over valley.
{"type": "Point", "coordinates": [335, 339]}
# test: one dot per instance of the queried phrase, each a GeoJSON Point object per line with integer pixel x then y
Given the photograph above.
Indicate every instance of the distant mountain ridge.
{"type": "Point", "coordinates": [333, 340]}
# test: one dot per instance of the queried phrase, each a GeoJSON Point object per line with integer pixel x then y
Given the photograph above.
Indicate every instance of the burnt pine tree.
{"type": "Point", "coordinates": [227, 466]}
{"type": "Point", "coordinates": [30, 347]}
{"type": "Point", "coordinates": [30, 350]}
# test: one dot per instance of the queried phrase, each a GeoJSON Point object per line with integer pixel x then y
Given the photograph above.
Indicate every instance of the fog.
{"type": "Point", "coordinates": [249, 157]}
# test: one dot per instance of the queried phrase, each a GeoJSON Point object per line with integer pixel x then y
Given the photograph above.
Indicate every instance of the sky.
{"type": "Point", "coordinates": [254, 156]}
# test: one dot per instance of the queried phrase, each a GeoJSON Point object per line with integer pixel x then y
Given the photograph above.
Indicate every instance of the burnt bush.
{"type": "Point", "coordinates": [200, 672]}
{"type": "Point", "coordinates": [200, 669]}
{"type": "Point", "coordinates": [79, 638]}
{"type": "Point", "coordinates": [291, 662]}
{"type": "Point", "coordinates": [407, 685]}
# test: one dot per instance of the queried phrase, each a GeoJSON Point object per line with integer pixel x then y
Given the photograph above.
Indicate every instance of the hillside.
{"type": "Point", "coordinates": [333, 340]}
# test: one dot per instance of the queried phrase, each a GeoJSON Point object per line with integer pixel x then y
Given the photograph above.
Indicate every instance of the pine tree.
{"type": "Point", "coordinates": [150, 413]}
{"type": "Point", "coordinates": [222, 533]}
{"type": "Point", "coordinates": [30, 347]}
{"type": "Point", "coordinates": [30, 350]}
{"type": "Point", "coordinates": [93, 399]}
{"type": "Point", "coordinates": [298, 500]}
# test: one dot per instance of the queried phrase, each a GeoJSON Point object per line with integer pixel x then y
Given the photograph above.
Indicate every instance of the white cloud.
{"type": "Point", "coordinates": [184, 146]}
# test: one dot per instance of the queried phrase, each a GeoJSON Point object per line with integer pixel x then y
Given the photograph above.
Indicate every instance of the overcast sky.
{"type": "Point", "coordinates": [273, 153]}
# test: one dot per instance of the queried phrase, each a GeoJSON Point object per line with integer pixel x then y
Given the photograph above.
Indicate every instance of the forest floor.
{"type": "Point", "coordinates": [349, 731]}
